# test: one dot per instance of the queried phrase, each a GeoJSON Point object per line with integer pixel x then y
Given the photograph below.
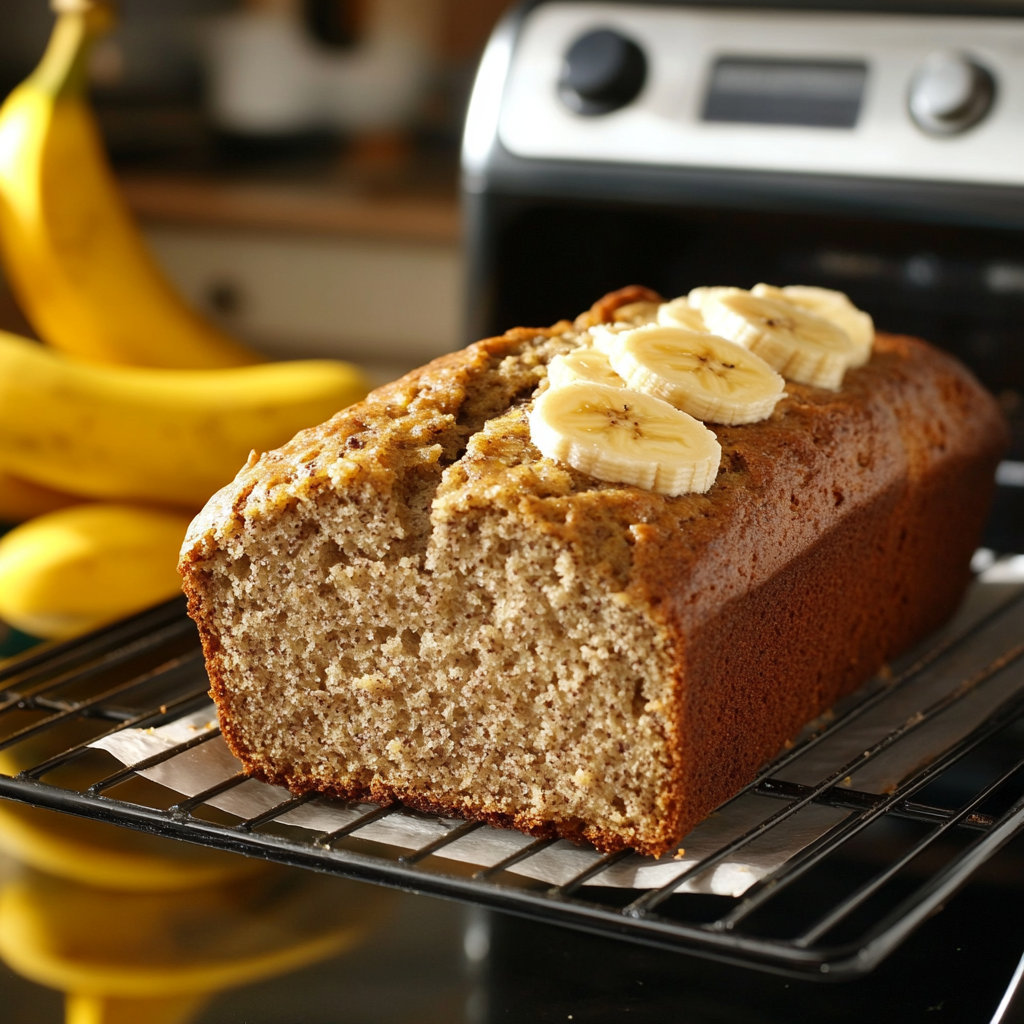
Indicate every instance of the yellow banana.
{"type": "Point", "coordinates": [164, 436]}
{"type": "Point", "coordinates": [66, 572]}
{"type": "Point", "coordinates": [22, 499]}
{"type": "Point", "coordinates": [72, 252]}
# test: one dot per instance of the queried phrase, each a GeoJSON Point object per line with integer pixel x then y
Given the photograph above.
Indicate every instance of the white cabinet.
{"type": "Point", "coordinates": [388, 303]}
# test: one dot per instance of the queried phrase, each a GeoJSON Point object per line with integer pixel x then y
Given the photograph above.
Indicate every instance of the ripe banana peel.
{"type": "Point", "coordinates": [73, 255]}
{"type": "Point", "coordinates": [171, 437]}
{"type": "Point", "coordinates": [70, 571]}
{"type": "Point", "coordinates": [22, 499]}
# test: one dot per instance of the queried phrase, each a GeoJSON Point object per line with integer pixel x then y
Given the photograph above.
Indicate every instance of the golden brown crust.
{"type": "Point", "coordinates": [603, 311]}
{"type": "Point", "coordinates": [575, 830]}
{"type": "Point", "coordinates": [847, 517]}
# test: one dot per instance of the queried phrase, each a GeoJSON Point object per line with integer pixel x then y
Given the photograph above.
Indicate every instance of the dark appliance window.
{"type": "Point", "coordinates": [815, 94]}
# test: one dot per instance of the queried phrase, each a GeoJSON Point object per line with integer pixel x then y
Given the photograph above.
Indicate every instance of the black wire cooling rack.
{"type": "Point", "coordinates": [836, 908]}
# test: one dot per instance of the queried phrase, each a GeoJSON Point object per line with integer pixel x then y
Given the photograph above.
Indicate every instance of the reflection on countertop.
{"type": "Point", "coordinates": [132, 928]}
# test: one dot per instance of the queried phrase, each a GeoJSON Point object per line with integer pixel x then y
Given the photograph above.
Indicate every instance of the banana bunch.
{"type": "Point", "coordinates": [630, 406]}
{"type": "Point", "coordinates": [146, 448]}
{"type": "Point", "coordinates": [135, 409]}
{"type": "Point", "coordinates": [97, 855]}
{"type": "Point", "coordinates": [167, 436]}
{"type": "Point", "coordinates": [21, 500]}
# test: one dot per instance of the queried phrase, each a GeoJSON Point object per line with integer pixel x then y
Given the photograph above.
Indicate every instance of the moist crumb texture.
{"type": "Point", "coordinates": [410, 603]}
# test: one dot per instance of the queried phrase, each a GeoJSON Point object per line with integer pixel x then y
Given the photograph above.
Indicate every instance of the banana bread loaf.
{"type": "Point", "coordinates": [410, 603]}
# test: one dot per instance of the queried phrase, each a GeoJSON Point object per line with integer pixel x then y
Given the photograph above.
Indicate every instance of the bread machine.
{"type": "Point", "coordinates": [872, 147]}
{"type": "Point", "coordinates": [876, 148]}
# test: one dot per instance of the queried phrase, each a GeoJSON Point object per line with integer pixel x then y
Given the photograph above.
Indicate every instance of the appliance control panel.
{"type": "Point", "coordinates": [917, 97]}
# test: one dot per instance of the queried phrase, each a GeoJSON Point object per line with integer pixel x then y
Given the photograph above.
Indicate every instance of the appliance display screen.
{"type": "Point", "coordinates": [818, 94]}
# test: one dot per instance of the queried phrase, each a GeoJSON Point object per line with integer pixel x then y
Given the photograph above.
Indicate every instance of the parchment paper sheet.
{"type": "Point", "coordinates": [211, 762]}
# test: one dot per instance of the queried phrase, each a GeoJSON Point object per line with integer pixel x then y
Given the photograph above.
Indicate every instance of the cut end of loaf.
{"type": "Point", "coordinates": [460, 678]}
{"type": "Point", "coordinates": [394, 639]}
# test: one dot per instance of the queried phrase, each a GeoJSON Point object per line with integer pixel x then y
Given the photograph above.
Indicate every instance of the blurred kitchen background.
{"type": "Point", "coordinates": [294, 162]}
{"type": "Point", "coordinates": [294, 165]}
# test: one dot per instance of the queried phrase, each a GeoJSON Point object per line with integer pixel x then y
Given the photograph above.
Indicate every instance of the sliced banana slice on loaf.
{"type": "Point", "coordinates": [583, 364]}
{"type": "Point", "coordinates": [637, 313]}
{"type": "Point", "coordinates": [710, 378]}
{"type": "Point", "coordinates": [696, 297]}
{"type": "Point", "coordinates": [679, 313]}
{"type": "Point", "coordinates": [606, 337]}
{"type": "Point", "coordinates": [801, 345]}
{"type": "Point", "coordinates": [625, 437]}
{"type": "Point", "coordinates": [832, 305]}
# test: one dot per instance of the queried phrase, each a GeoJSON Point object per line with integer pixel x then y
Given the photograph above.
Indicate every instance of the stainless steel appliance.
{"type": "Point", "coordinates": [877, 148]}
{"type": "Point", "coordinates": [871, 147]}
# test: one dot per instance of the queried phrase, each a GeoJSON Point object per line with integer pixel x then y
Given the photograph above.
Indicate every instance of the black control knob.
{"type": "Point", "coordinates": [603, 70]}
{"type": "Point", "coordinates": [950, 93]}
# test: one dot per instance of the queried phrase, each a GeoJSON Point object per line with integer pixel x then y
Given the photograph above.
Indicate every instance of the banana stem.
{"type": "Point", "coordinates": [64, 67]}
